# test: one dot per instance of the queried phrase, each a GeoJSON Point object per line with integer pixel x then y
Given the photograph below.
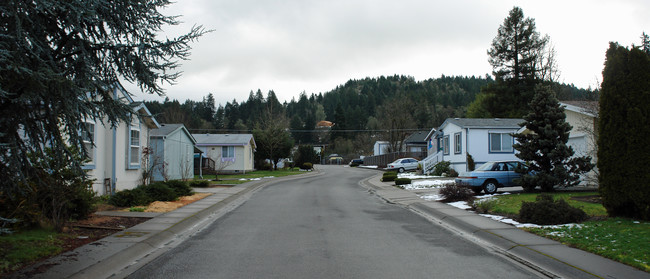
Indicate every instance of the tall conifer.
{"type": "Point", "coordinates": [624, 140]}
{"type": "Point", "coordinates": [545, 147]}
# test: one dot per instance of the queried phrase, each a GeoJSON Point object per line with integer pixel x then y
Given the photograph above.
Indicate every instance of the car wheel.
{"type": "Point", "coordinates": [401, 170]}
{"type": "Point", "coordinates": [490, 187]}
{"type": "Point", "coordinates": [477, 190]}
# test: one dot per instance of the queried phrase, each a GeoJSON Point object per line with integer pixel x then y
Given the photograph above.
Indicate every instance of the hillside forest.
{"type": "Point", "coordinates": [363, 111]}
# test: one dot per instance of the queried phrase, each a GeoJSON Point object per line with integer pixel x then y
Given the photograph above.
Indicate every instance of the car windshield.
{"type": "Point", "coordinates": [486, 167]}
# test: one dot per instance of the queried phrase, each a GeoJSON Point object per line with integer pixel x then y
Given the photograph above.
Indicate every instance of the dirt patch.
{"type": "Point", "coordinates": [160, 206]}
{"type": "Point", "coordinates": [95, 227]}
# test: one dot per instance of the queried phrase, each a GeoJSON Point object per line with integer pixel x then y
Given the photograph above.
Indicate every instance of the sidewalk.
{"type": "Point", "coordinates": [546, 256]}
{"type": "Point", "coordinates": [118, 255]}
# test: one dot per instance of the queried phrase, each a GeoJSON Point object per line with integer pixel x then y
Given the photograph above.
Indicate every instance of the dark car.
{"type": "Point", "coordinates": [491, 176]}
{"type": "Point", "coordinates": [356, 162]}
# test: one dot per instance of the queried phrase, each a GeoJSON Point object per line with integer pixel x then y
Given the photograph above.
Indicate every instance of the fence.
{"type": "Point", "coordinates": [383, 160]}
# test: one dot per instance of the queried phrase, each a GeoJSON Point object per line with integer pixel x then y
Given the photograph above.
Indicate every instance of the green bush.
{"type": "Point", "coordinates": [131, 197]}
{"type": "Point", "coordinates": [307, 166]}
{"type": "Point", "coordinates": [453, 193]}
{"type": "Point", "coordinates": [389, 176]}
{"type": "Point", "coordinates": [483, 206]}
{"type": "Point", "coordinates": [545, 211]}
{"type": "Point", "coordinates": [402, 181]}
{"type": "Point", "coordinates": [200, 184]}
{"type": "Point", "coordinates": [159, 191]}
{"type": "Point", "coordinates": [181, 188]}
{"type": "Point", "coordinates": [441, 167]}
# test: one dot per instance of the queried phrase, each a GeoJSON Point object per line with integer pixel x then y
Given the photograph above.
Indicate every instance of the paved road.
{"type": "Point", "coordinates": [327, 227]}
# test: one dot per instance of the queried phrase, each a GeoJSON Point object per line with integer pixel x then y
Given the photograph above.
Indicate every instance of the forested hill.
{"type": "Point", "coordinates": [356, 105]}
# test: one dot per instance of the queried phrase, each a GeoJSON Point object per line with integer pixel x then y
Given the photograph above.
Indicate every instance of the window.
{"type": "Point", "coordinates": [500, 142]}
{"type": "Point", "coordinates": [134, 146]}
{"type": "Point", "coordinates": [227, 153]}
{"type": "Point", "coordinates": [457, 143]}
{"type": "Point", "coordinates": [88, 138]}
{"type": "Point", "coordinates": [445, 145]}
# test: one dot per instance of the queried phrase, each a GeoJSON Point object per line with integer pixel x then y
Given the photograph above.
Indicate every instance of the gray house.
{"type": "Point", "coordinates": [172, 154]}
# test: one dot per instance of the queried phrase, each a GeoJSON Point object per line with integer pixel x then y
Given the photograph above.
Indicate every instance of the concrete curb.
{"type": "Point", "coordinates": [548, 257]}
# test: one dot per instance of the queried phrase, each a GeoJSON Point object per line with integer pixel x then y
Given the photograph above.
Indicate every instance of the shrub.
{"type": "Point", "coordinates": [132, 197]}
{"type": "Point", "coordinates": [307, 166]}
{"type": "Point", "coordinates": [545, 211]}
{"type": "Point", "coordinates": [200, 183]}
{"type": "Point", "coordinates": [441, 167]}
{"type": "Point", "coordinates": [452, 173]}
{"type": "Point", "coordinates": [471, 165]}
{"type": "Point", "coordinates": [389, 176]}
{"type": "Point", "coordinates": [159, 191]}
{"type": "Point", "coordinates": [180, 187]}
{"type": "Point", "coordinates": [402, 181]}
{"type": "Point", "coordinates": [453, 192]}
{"type": "Point", "coordinates": [483, 206]}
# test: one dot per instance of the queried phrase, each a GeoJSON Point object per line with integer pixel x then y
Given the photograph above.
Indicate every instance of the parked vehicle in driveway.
{"type": "Point", "coordinates": [402, 165]}
{"type": "Point", "coordinates": [491, 176]}
{"type": "Point", "coordinates": [356, 162]}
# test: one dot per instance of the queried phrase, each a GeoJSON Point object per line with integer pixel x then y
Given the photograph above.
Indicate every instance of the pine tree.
{"type": "Point", "coordinates": [515, 55]}
{"type": "Point", "coordinates": [624, 133]}
{"type": "Point", "coordinates": [545, 147]}
{"type": "Point", "coordinates": [60, 60]}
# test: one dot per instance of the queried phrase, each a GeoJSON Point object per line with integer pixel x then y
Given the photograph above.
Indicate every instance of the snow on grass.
{"type": "Point", "coordinates": [425, 184]}
{"type": "Point", "coordinates": [433, 197]}
{"type": "Point", "coordinates": [460, 204]}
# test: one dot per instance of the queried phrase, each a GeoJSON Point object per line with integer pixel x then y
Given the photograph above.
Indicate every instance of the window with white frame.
{"type": "Point", "coordinates": [457, 143]}
{"type": "Point", "coordinates": [88, 138]}
{"type": "Point", "coordinates": [500, 142]}
{"type": "Point", "coordinates": [134, 145]}
{"type": "Point", "coordinates": [228, 153]}
{"type": "Point", "coordinates": [445, 145]}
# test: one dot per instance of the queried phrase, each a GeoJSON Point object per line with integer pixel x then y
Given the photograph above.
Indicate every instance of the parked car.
{"type": "Point", "coordinates": [356, 162]}
{"type": "Point", "coordinates": [491, 176]}
{"type": "Point", "coordinates": [402, 165]}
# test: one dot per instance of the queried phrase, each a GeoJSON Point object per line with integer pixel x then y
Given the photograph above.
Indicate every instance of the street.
{"type": "Point", "coordinates": [327, 226]}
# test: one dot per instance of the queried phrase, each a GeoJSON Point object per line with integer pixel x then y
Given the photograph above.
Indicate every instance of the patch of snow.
{"type": "Point", "coordinates": [424, 184]}
{"type": "Point", "coordinates": [432, 197]}
{"type": "Point", "coordinates": [460, 204]}
{"type": "Point", "coordinates": [369, 167]}
{"type": "Point", "coordinates": [501, 219]}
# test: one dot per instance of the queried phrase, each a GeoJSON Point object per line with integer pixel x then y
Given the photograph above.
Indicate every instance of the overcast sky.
{"type": "Point", "coordinates": [293, 46]}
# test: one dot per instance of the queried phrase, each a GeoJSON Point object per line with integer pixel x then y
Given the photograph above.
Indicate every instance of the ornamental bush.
{"type": "Point", "coordinates": [200, 184]}
{"type": "Point", "coordinates": [546, 211]}
{"type": "Point", "coordinates": [402, 181]}
{"type": "Point", "coordinates": [389, 176]}
{"type": "Point", "coordinates": [453, 193]}
{"type": "Point", "coordinates": [181, 188]}
{"type": "Point", "coordinates": [441, 167]}
{"type": "Point", "coordinates": [307, 166]}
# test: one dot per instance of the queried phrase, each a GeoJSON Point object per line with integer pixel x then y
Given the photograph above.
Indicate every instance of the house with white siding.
{"type": "Point", "coordinates": [115, 153]}
{"type": "Point", "coordinates": [485, 139]}
{"type": "Point", "coordinates": [232, 153]}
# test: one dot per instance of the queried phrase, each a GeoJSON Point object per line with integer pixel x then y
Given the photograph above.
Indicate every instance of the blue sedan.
{"type": "Point", "coordinates": [491, 176]}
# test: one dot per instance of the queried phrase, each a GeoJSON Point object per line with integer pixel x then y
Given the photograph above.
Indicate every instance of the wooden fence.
{"type": "Point", "coordinates": [383, 160]}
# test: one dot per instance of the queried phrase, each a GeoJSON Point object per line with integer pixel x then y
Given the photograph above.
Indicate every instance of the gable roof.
{"type": "Point", "coordinates": [417, 137]}
{"type": "Point", "coordinates": [485, 123]}
{"type": "Point", "coordinates": [589, 108]}
{"type": "Point", "coordinates": [168, 129]}
{"type": "Point", "coordinates": [224, 139]}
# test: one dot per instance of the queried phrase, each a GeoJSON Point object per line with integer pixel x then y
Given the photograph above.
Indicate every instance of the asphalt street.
{"type": "Point", "coordinates": [327, 227]}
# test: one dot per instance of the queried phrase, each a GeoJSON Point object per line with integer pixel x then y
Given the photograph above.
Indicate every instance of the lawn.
{"type": "Point", "coordinates": [623, 240]}
{"type": "Point", "coordinates": [243, 178]}
{"type": "Point", "coordinates": [510, 204]}
{"type": "Point", "coordinates": [28, 246]}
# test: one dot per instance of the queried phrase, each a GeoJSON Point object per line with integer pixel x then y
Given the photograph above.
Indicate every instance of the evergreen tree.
{"type": "Point", "coordinates": [624, 133]}
{"type": "Point", "coordinates": [60, 61]}
{"type": "Point", "coordinates": [515, 57]}
{"type": "Point", "coordinates": [545, 147]}
{"type": "Point", "coordinates": [645, 43]}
